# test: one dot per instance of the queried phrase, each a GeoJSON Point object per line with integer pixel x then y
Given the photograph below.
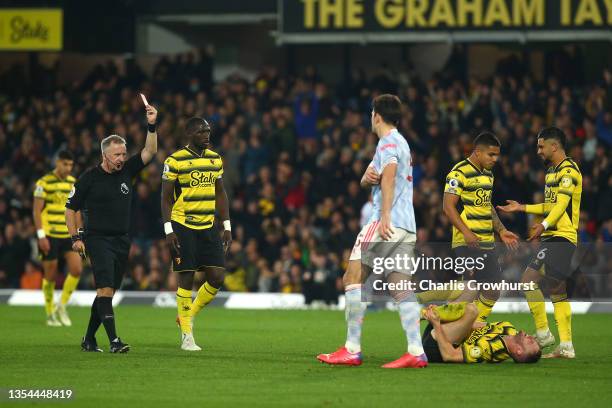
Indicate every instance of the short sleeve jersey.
{"type": "Point", "coordinates": [194, 176]}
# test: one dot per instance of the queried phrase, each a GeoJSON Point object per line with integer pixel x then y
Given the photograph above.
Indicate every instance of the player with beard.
{"type": "Point", "coordinates": [559, 232]}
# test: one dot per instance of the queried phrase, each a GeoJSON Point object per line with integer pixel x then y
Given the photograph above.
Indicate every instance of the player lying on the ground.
{"type": "Point", "coordinates": [467, 340]}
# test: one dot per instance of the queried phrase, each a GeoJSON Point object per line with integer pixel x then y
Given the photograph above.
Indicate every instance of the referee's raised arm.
{"type": "Point", "coordinates": [150, 147]}
{"type": "Point", "coordinates": [104, 195]}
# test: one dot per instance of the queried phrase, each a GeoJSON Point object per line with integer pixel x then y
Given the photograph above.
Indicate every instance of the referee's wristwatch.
{"type": "Point", "coordinates": [78, 236]}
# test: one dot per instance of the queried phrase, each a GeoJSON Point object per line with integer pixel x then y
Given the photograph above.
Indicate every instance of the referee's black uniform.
{"type": "Point", "coordinates": [105, 200]}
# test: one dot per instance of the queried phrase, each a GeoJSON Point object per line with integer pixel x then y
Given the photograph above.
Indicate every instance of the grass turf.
{"type": "Point", "coordinates": [267, 358]}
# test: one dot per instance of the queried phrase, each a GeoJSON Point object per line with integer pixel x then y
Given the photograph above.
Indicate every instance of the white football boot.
{"type": "Point", "coordinates": [562, 351]}
{"type": "Point", "coordinates": [52, 321]}
{"type": "Point", "coordinates": [545, 340]}
{"type": "Point", "coordinates": [62, 315]}
{"type": "Point", "coordinates": [188, 343]}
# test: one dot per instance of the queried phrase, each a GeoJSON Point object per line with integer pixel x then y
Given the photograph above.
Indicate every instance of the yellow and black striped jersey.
{"type": "Point", "coordinates": [561, 207]}
{"type": "Point", "coordinates": [475, 189]}
{"type": "Point", "coordinates": [486, 343]}
{"type": "Point", "coordinates": [55, 192]}
{"type": "Point", "coordinates": [194, 178]}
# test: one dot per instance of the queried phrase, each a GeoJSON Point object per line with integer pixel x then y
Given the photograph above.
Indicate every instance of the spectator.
{"type": "Point", "coordinates": [31, 277]}
{"type": "Point", "coordinates": [319, 280]}
{"type": "Point", "coordinates": [294, 150]}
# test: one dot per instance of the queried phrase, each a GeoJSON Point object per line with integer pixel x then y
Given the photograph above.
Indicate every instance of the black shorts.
{"type": "Point", "coordinates": [58, 247]}
{"type": "Point", "coordinates": [430, 345]}
{"type": "Point", "coordinates": [109, 259]}
{"type": "Point", "coordinates": [555, 255]}
{"type": "Point", "coordinates": [486, 264]}
{"type": "Point", "coordinates": [199, 248]}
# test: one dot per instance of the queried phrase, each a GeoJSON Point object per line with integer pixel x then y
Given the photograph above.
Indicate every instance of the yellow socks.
{"type": "Point", "coordinates": [535, 298]}
{"type": "Point", "coordinates": [183, 304]}
{"type": "Point", "coordinates": [563, 317]}
{"type": "Point", "coordinates": [48, 287]}
{"type": "Point", "coordinates": [206, 294]}
{"type": "Point", "coordinates": [70, 285]}
{"type": "Point", "coordinates": [449, 312]}
{"type": "Point", "coordinates": [484, 306]}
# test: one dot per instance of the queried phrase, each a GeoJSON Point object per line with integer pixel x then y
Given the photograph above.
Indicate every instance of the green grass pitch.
{"type": "Point", "coordinates": [267, 358]}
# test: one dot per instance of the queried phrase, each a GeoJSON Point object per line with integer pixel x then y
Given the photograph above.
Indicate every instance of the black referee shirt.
{"type": "Point", "coordinates": [105, 199]}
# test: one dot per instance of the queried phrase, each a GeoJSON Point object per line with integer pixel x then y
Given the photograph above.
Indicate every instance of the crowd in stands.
{"type": "Point", "coordinates": [294, 149]}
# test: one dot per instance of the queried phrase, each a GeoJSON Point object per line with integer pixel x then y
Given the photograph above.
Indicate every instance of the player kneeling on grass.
{"type": "Point", "coordinates": [467, 340]}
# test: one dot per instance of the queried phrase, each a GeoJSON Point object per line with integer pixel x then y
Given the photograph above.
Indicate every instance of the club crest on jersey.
{"type": "Point", "coordinates": [124, 188]}
{"type": "Point", "coordinates": [475, 352]}
{"type": "Point", "coordinates": [566, 182]}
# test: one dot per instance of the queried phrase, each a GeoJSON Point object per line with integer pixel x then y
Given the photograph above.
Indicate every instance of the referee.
{"type": "Point", "coordinates": [104, 194]}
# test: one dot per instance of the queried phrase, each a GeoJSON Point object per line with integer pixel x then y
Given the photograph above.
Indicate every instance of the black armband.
{"type": "Point", "coordinates": [75, 238]}
{"type": "Point", "coordinates": [151, 128]}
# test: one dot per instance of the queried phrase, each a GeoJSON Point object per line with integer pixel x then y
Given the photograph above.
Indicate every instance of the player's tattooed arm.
{"type": "Point", "coordinates": [498, 225]}
{"type": "Point", "coordinates": [509, 238]}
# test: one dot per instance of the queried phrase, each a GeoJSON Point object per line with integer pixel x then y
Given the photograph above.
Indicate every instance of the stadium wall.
{"type": "Point", "coordinates": [267, 301]}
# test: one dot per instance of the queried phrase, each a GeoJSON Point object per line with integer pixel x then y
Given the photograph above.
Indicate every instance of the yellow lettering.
{"type": "Point", "coordinates": [566, 12]}
{"type": "Point", "coordinates": [309, 14]}
{"type": "Point", "coordinates": [354, 11]}
{"type": "Point", "coordinates": [588, 11]}
{"type": "Point", "coordinates": [442, 12]}
{"type": "Point", "coordinates": [497, 12]}
{"type": "Point", "coordinates": [389, 13]}
{"type": "Point", "coordinates": [528, 12]}
{"type": "Point", "coordinates": [473, 7]}
{"type": "Point", "coordinates": [330, 9]}
{"type": "Point", "coordinates": [415, 13]}
{"type": "Point", "coordinates": [608, 4]}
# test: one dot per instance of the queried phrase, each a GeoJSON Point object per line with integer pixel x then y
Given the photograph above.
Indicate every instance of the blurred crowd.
{"type": "Point", "coordinates": [294, 150]}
